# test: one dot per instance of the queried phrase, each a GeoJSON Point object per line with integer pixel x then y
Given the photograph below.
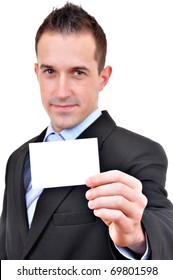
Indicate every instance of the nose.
{"type": "Point", "coordinates": [62, 87]}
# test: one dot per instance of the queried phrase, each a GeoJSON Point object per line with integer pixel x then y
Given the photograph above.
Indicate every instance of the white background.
{"type": "Point", "coordinates": [140, 50]}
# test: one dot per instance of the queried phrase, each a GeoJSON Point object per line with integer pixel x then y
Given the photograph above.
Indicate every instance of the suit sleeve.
{"type": "Point", "coordinates": [157, 220]}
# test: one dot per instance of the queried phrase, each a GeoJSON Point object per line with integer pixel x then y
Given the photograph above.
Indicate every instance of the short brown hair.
{"type": "Point", "coordinates": [73, 19]}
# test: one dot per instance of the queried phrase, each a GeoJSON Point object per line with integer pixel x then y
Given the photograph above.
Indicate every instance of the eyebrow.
{"type": "Point", "coordinates": [81, 67]}
{"type": "Point", "coordinates": [43, 66]}
{"type": "Point", "coordinates": [84, 68]}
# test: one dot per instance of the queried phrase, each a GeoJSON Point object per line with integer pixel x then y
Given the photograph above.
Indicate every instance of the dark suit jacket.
{"type": "Point", "coordinates": [63, 226]}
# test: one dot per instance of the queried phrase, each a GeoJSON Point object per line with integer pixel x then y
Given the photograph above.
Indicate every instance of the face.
{"type": "Point", "coordinates": [68, 76]}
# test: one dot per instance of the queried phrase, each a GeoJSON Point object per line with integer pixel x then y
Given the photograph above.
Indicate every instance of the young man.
{"type": "Point", "coordinates": [122, 212]}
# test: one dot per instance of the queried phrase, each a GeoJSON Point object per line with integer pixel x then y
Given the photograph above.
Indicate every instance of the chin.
{"type": "Point", "coordinates": [66, 123]}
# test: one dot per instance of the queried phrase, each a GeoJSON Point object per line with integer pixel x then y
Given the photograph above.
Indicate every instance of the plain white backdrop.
{"type": "Point", "coordinates": [140, 50]}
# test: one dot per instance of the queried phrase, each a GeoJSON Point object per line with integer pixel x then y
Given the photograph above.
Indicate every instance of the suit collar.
{"type": "Point", "coordinates": [100, 129]}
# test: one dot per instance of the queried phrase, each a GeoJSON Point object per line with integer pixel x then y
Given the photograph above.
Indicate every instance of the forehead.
{"type": "Point", "coordinates": [73, 43]}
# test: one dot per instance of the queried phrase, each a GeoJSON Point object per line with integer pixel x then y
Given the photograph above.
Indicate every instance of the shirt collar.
{"type": "Point", "coordinates": [74, 132]}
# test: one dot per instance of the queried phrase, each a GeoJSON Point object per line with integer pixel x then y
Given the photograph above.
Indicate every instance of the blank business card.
{"type": "Point", "coordinates": [63, 163]}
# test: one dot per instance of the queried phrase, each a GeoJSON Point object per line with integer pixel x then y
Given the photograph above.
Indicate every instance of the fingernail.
{"type": "Point", "coordinates": [87, 195]}
{"type": "Point", "coordinates": [90, 204]}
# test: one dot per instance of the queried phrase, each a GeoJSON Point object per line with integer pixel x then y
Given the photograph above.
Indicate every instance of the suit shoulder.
{"type": "Point", "coordinates": [133, 143]}
{"type": "Point", "coordinates": [133, 137]}
{"type": "Point", "coordinates": [123, 138]}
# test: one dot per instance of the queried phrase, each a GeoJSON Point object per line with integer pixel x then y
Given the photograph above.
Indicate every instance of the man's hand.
{"type": "Point", "coordinates": [117, 199]}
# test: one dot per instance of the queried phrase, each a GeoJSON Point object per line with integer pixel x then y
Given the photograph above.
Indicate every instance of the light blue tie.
{"type": "Point", "coordinates": [32, 195]}
{"type": "Point", "coordinates": [54, 137]}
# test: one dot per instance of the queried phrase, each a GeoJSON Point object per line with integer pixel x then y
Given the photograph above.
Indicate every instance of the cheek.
{"type": "Point", "coordinates": [89, 91]}
{"type": "Point", "coordinates": [90, 100]}
{"type": "Point", "coordinates": [45, 95]}
{"type": "Point", "coordinates": [44, 101]}
{"type": "Point", "coordinates": [45, 90]}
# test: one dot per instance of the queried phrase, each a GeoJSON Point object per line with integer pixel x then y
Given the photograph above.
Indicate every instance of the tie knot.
{"type": "Point", "coordinates": [54, 137]}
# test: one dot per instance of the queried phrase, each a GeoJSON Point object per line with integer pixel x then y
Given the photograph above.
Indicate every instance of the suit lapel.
{"type": "Point", "coordinates": [19, 195]}
{"type": "Point", "coordinates": [18, 187]}
{"type": "Point", "coordinates": [100, 129]}
{"type": "Point", "coordinates": [48, 202]}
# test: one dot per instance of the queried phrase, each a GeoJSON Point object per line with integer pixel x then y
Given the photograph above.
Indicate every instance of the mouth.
{"type": "Point", "coordinates": [64, 107]}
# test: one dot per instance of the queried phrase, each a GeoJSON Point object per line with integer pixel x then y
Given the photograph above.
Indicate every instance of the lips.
{"type": "Point", "coordinates": [63, 107]}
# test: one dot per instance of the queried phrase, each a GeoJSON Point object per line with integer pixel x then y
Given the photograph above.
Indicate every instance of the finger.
{"type": "Point", "coordinates": [115, 203]}
{"type": "Point", "coordinates": [113, 176]}
{"type": "Point", "coordinates": [113, 216]}
{"type": "Point", "coordinates": [121, 228]}
{"type": "Point", "coordinates": [111, 190]}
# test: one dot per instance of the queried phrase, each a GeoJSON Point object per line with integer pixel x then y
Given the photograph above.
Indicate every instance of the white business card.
{"type": "Point", "coordinates": [63, 163]}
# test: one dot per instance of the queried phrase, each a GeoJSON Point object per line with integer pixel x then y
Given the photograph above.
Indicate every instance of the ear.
{"type": "Point", "coordinates": [36, 69]}
{"type": "Point", "coordinates": [104, 76]}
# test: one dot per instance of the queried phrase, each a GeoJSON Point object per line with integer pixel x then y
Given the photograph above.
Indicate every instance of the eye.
{"type": "Point", "coordinates": [49, 71]}
{"type": "Point", "coordinates": [78, 72]}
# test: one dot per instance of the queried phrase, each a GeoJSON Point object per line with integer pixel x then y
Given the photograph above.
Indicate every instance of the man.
{"type": "Point", "coordinates": [121, 213]}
